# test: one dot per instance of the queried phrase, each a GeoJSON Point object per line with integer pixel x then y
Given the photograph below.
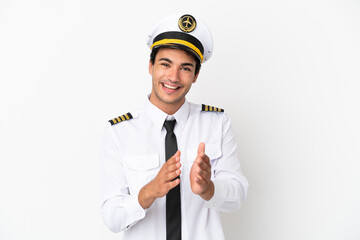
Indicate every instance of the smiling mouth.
{"type": "Point", "coordinates": [170, 87]}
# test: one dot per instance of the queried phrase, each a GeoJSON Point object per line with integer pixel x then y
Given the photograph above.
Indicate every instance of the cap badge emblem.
{"type": "Point", "coordinates": [187, 23]}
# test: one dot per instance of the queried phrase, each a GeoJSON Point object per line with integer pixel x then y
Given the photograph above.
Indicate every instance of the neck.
{"type": "Point", "coordinates": [168, 108]}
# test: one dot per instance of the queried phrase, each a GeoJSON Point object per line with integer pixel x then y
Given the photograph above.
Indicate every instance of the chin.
{"type": "Point", "coordinates": [172, 100]}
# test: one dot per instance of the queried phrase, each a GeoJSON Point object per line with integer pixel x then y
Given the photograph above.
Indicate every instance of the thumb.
{"type": "Point", "coordinates": [201, 148]}
{"type": "Point", "coordinates": [177, 154]}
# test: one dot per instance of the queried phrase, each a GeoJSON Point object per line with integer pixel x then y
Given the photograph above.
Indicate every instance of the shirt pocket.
{"type": "Point", "coordinates": [140, 169]}
{"type": "Point", "coordinates": [213, 151]}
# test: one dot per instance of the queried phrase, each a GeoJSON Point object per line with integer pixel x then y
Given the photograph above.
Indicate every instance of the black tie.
{"type": "Point", "coordinates": [173, 209]}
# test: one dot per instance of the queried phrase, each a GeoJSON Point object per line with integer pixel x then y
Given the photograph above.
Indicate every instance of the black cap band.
{"type": "Point", "coordinates": [180, 38]}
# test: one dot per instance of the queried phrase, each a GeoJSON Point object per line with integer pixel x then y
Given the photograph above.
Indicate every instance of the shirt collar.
{"type": "Point", "coordinates": [158, 117]}
{"type": "Point", "coordinates": [182, 114]}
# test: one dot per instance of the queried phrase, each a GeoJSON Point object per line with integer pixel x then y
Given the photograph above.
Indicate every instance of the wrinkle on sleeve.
{"type": "Point", "coordinates": [230, 184]}
{"type": "Point", "coordinates": [119, 209]}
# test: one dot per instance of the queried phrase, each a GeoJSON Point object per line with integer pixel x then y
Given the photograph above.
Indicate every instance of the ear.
{"type": "Point", "coordinates": [196, 76]}
{"type": "Point", "coordinates": [150, 67]}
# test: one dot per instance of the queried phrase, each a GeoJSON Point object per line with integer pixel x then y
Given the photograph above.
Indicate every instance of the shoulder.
{"type": "Point", "coordinates": [208, 117]}
{"type": "Point", "coordinates": [207, 113]}
{"type": "Point", "coordinates": [208, 108]}
{"type": "Point", "coordinates": [204, 108]}
{"type": "Point", "coordinates": [125, 117]}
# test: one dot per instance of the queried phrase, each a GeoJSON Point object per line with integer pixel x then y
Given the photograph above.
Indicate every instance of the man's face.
{"type": "Point", "coordinates": [173, 73]}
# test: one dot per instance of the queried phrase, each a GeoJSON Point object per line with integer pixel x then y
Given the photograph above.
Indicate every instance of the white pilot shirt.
{"type": "Point", "coordinates": [133, 152]}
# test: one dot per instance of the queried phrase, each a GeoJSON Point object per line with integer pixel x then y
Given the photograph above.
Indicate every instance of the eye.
{"type": "Point", "coordinates": [187, 69]}
{"type": "Point", "coordinates": [164, 64]}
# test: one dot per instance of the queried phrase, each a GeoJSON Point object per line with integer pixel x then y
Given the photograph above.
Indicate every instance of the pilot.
{"type": "Point", "coordinates": [170, 167]}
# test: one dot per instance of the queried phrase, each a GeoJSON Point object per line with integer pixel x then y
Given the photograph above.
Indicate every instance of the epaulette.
{"type": "Point", "coordinates": [207, 108]}
{"type": "Point", "coordinates": [121, 118]}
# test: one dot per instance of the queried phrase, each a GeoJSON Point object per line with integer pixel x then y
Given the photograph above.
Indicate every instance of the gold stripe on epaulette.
{"type": "Point", "coordinates": [207, 108]}
{"type": "Point", "coordinates": [121, 118]}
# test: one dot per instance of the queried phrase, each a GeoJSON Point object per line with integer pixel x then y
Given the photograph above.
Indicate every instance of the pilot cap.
{"type": "Point", "coordinates": [185, 32]}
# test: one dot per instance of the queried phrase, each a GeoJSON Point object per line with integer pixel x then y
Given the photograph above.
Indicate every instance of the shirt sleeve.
{"type": "Point", "coordinates": [230, 184]}
{"type": "Point", "coordinates": [119, 209]}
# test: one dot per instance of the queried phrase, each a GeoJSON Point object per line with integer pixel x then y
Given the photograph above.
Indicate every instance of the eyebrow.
{"type": "Point", "coordinates": [169, 61]}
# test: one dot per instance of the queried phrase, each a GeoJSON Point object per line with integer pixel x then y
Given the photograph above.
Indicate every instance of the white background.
{"type": "Point", "coordinates": [287, 73]}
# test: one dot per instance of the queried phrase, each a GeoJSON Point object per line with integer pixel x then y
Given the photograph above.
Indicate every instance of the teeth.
{"type": "Point", "coordinates": [168, 86]}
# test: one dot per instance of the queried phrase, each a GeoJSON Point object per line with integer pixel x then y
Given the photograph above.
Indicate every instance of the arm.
{"type": "Point", "coordinates": [226, 190]}
{"type": "Point", "coordinates": [162, 183]}
{"type": "Point", "coordinates": [230, 184]}
{"type": "Point", "coordinates": [119, 209]}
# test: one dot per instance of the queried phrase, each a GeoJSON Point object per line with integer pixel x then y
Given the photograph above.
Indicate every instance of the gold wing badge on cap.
{"type": "Point", "coordinates": [187, 23]}
{"type": "Point", "coordinates": [121, 118]}
{"type": "Point", "coordinates": [207, 108]}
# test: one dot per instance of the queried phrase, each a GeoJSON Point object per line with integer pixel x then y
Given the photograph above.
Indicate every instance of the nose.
{"type": "Point", "coordinates": [173, 74]}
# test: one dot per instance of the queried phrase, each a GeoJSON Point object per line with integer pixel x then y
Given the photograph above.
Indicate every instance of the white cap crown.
{"type": "Point", "coordinates": [183, 31]}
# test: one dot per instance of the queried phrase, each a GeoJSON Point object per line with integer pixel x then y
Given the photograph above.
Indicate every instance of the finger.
{"type": "Point", "coordinates": [201, 148]}
{"type": "Point", "coordinates": [204, 162]}
{"type": "Point", "coordinates": [204, 175]}
{"type": "Point", "coordinates": [203, 169]}
{"type": "Point", "coordinates": [171, 176]}
{"type": "Point", "coordinates": [174, 158]}
{"type": "Point", "coordinates": [201, 153]}
{"type": "Point", "coordinates": [173, 184]}
{"type": "Point", "coordinates": [173, 167]}
{"type": "Point", "coordinates": [177, 154]}
{"type": "Point", "coordinates": [201, 181]}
